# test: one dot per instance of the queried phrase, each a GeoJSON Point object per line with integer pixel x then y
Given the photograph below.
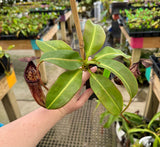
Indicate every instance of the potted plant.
{"type": "Point", "coordinates": [138, 130]}
{"type": "Point", "coordinates": [68, 83]}
{"type": "Point", "coordinates": [5, 61]}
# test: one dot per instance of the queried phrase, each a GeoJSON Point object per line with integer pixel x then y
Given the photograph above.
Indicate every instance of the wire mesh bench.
{"type": "Point", "coordinates": [80, 129]}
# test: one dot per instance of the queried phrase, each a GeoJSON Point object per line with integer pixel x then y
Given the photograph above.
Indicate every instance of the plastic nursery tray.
{"type": "Point", "coordinates": [14, 37]}
{"type": "Point", "coordinates": [142, 33]}
{"type": "Point", "coordinates": [134, 8]}
{"type": "Point", "coordinates": [52, 22]}
{"type": "Point", "coordinates": [61, 12]}
{"type": "Point", "coordinates": [41, 11]}
{"type": "Point", "coordinates": [130, 6]}
{"type": "Point", "coordinates": [117, 6]}
{"type": "Point", "coordinates": [156, 64]}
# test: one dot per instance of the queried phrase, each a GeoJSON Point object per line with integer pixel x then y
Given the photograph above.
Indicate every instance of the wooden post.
{"type": "Point", "coordinates": [122, 40]}
{"type": "Point", "coordinates": [69, 25]}
{"type": "Point", "coordinates": [55, 37]}
{"type": "Point", "coordinates": [41, 67]}
{"type": "Point", "coordinates": [151, 103]}
{"type": "Point", "coordinates": [51, 33]}
{"type": "Point", "coordinates": [10, 105]}
{"type": "Point", "coordinates": [63, 31]}
{"type": "Point", "coordinates": [136, 54]}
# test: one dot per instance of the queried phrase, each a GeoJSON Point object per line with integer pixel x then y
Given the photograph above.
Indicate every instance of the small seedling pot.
{"type": "Point", "coordinates": [4, 64]}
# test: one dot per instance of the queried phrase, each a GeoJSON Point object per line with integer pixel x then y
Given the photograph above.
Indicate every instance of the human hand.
{"type": "Point", "coordinates": [78, 100]}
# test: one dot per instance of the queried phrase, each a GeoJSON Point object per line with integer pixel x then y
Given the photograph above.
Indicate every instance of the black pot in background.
{"type": "Point", "coordinates": [4, 64]}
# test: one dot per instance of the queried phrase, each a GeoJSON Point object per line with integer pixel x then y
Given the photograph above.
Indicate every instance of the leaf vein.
{"type": "Point", "coordinates": [60, 59]}
{"type": "Point", "coordinates": [94, 32]}
{"type": "Point", "coordinates": [63, 89]}
{"type": "Point", "coordinates": [49, 45]}
{"type": "Point", "coordinates": [108, 54]}
{"type": "Point", "coordinates": [105, 91]}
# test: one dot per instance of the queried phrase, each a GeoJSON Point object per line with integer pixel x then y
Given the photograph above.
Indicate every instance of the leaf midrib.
{"type": "Point", "coordinates": [49, 45]}
{"type": "Point", "coordinates": [106, 92]}
{"type": "Point", "coordinates": [108, 54]}
{"type": "Point", "coordinates": [94, 32]}
{"type": "Point", "coordinates": [63, 89]}
{"type": "Point", "coordinates": [60, 59]}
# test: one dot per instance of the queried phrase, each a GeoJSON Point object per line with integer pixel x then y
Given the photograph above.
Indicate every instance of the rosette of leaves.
{"type": "Point", "coordinates": [136, 127]}
{"type": "Point", "coordinates": [69, 82]}
{"type": "Point", "coordinates": [152, 128]}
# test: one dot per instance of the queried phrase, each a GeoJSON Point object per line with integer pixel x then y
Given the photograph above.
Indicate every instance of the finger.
{"type": "Point", "coordinates": [89, 58]}
{"type": "Point", "coordinates": [85, 77]}
{"type": "Point", "coordinates": [84, 97]}
{"type": "Point", "coordinates": [93, 69]}
{"type": "Point", "coordinates": [86, 74]}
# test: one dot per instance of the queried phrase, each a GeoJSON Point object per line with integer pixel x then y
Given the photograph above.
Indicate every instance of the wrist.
{"type": "Point", "coordinates": [52, 113]}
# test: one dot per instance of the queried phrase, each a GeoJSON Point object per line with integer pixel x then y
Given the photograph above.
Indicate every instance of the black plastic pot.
{"type": "Point", "coordinates": [4, 64]}
{"type": "Point", "coordinates": [156, 64]}
{"type": "Point", "coordinates": [117, 6]}
{"type": "Point", "coordinates": [61, 12]}
{"type": "Point", "coordinates": [41, 11]}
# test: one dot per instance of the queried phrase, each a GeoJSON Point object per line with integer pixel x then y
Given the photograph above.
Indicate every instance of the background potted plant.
{"type": "Point", "coordinates": [152, 128]}
{"type": "Point", "coordinates": [30, 26]}
{"type": "Point", "coordinates": [5, 61]}
{"type": "Point", "coordinates": [135, 129]}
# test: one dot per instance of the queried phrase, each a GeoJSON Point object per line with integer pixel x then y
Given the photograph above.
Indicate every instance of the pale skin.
{"type": "Point", "coordinates": [28, 130]}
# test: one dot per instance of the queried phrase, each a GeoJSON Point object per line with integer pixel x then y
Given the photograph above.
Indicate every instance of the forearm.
{"type": "Point", "coordinates": [28, 131]}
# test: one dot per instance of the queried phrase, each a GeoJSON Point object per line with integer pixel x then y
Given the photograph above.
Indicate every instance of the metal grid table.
{"type": "Point", "coordinates": [80, 129]}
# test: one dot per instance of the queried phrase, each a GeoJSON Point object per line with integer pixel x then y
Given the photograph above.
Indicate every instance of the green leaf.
{"type": "Point", "coordinates": [157, 115]}
{"type": "Point", "coordinates": [24, 32]}
{"type": "Point", "coordinates": [1, 54]}
{"type": "Point", "coordinates": [66, 86]}
{"type": "Point", "coordinates": [98, 103]}
{"type": "Point", "coordinates": [103, 115]}
{"type": "Point", "coordinates": [10, 47]}
{"type": "Point", "coordinates": [125, 126]}
{"type": "Point", "coordinates": [123, 73]}
{"type": "Point", "coordinates": [156, 143]}
{"type": "Point", "coordinates": [144, 130]}
{"type": "Point", "coordinates": [47, 46]}
{"type": "Point", "coordinates": [106, 73]}
{"type": "Point", "coordinates": [110, 121]}
{"type": "Point", "coordinates": [107, 93]}
{"type": "Point", "coordinates": [94, 37]}
{"type": "Point", "coordinates": [110, 53]}
{"type": "Point", "coordinates": [67, 59]}
{"type": "Point", "coordinates": [135, 119]}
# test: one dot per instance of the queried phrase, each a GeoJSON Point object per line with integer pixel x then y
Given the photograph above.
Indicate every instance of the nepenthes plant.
{"type": "Point", "coordinates": [69, 82]}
